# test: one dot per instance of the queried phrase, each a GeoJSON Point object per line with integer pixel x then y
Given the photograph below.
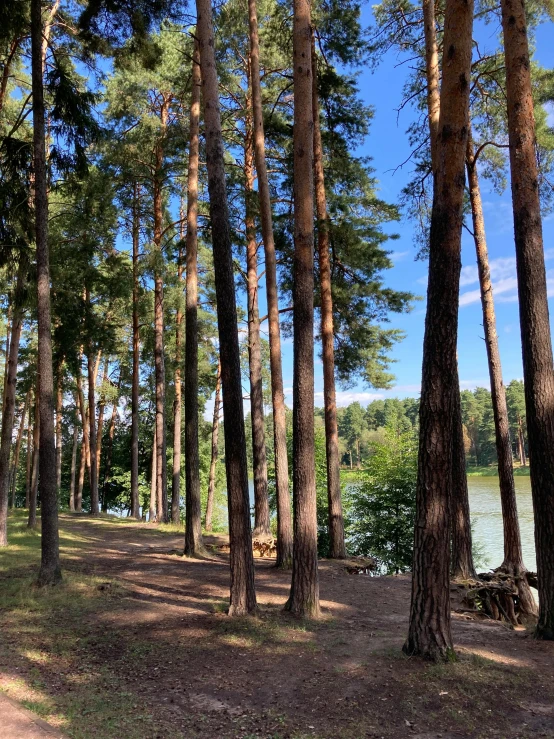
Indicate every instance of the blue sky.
{"type": "Point", "coordinates": [388, 146]}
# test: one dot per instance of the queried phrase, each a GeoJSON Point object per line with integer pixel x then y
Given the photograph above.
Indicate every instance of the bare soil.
{"type": "Point", "coordinates": [152, 654]}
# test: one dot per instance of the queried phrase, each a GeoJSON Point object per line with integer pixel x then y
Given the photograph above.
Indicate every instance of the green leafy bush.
{"type": "Point", "coordinates": [383, 504]}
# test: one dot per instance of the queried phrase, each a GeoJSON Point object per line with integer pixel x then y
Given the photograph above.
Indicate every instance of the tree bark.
{"type": "Point", "coordinates": [29, 459]}
{"type": "Point", "coordinates": [513, 555]}
{"type": "Point", "coordinates": [84, 414]}
{"type": "Point", "coordinates": [109, 453]}
{"type": "Point", "coordinates": [429, 631]}
{"type": "Point", "coordinates": [50, 571]}
{"type": "Point", "coordinates": [32, 520]}
{"type": "Point", "coordinates": [284, 520]}
{"type": "Point", "coordinates": [100, 427]}
{"type": "Point", "coordinates": [159, 359]}
{"type": "Point", "coordinates": [213, 462]}
{"type": "Point", "coordinates": [135, 507]}
{"type": "Point", "coordinates": [242, 592]}
{"type": "Point", "coordinates": [153, 513]}
{"type": "Point", "coordinates": [94, 498]}
{"type": "Point", "coordinates": [462, 566]}
{"type": "Point", "coordinates": [59, 411]}
{"type": "Point", "coordinates": [521, 437]}
{"type": "Point", "coordinates": [304, 593]}
{"type": "Point", "coordinates": [337, 548]}
{"type": "Point", "coordinates": [177, 403]}
{"type": "Point", "coordinates": [73, 467]}
{"type": "Point", "coordinates": [193, 509]}
{"type": "Point", "coordinates": [533, 301]}
{"type": "Point", "coordinates": [18, 442]}
{"type": "Point", "coordinates": [83, 456]}
{"type": "Point", "coordinates": [8, 409]}
{"type": "Point", "coordinates": [259, 459]}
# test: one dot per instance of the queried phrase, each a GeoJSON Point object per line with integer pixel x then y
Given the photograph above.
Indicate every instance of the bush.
{"type": "Point", "coordinates": [383, 504]}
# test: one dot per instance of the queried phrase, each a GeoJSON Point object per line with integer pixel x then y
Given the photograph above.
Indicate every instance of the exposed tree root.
{"type": "Point", "coordinates": [498, 595]}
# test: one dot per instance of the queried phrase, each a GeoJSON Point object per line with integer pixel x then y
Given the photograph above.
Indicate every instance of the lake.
{"type": "Point", "coordinates": [486, 517]}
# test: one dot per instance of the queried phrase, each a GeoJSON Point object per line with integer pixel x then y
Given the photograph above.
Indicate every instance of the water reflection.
{"type": "Point", "coordinates": [486, 517]}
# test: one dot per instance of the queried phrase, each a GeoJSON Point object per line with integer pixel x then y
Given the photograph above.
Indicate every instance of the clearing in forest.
{"type": "Point", "coordinates": [136, 644]}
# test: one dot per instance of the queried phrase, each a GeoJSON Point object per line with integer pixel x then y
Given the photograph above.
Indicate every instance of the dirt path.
{"type": "Point", "coordinates": [18, 723]}
{"type": "Point", "coordinates": [159, 646]}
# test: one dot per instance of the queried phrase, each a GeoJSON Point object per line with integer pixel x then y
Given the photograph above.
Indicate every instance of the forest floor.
{"type": "Point", "coordinates": [136, 644]}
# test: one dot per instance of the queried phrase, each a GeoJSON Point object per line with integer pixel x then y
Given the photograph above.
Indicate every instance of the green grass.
{"type": "Point", "coordinates": [492, 471]}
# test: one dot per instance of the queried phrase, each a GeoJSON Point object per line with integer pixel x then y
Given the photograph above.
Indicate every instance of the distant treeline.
{"type": "Point", "coordinates": [360, 427]}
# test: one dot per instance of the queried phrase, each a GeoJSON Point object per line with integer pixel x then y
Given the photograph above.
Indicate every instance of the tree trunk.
{"type": "Point", "coordinates": [193, 510]}
{"type": "Point", "coordinates": [533, 301]}
{"type": "Point", "coordinates": [213, 462]}
{"type": "Point", "coordinates": [153, 513]}
{"type": "Point", "coordinates": [94, 499]}
{"type": "Point", "coordinates": [15, 465]}
{"type": "Point", "coordinates": [73, 467]}
{"type": "Point", "coordinates": [7, 354]}
{"type": "Point", "coordinates": [521, 437]}
{"type": "Point", "coordinates": [177, 403]}
{"type": "Point", "coordinates": [84, 414]}
{"type": "Point", "coordinates": [100, 431]}
{"type": "Point", "coordinates": [259, 459]}
{"type": "Point", "coordinates": [429, 632]}
{"type": "Point", "coordinates": [8, 409]}
{"type": "Point", "coordinates": [462, 566]}
{"type": "Point", "coordinates": [284, 520]}
{"type": "Point", "coordinates": [159, 360]}
{"type": "Point", "coordinates": [304, 593]}
{"type": "Point", "coordinates": [513, 555]}
{"type": "Point", "coordinates": [242, 593]}
{"type": "Point", "coordinates": [83, 456]}
{"type": "Point", "coordinates": [32, 521]}
{"type": "Point", "coordinates": [337, 548]}
{"type": "Point", "coordinates": [109, 452]}
{"type": "Point", "coordinates": [50, 572]}
{"type": "Point", "coordinates": [59, 411]}
{"type": "Point", "coordinates": [29, 459]}
{"type": "Point", "coordinates": [135, 507]}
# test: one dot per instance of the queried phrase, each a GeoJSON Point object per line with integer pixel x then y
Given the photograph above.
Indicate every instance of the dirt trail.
{"type": "Point", "coordinates": [193, 672]}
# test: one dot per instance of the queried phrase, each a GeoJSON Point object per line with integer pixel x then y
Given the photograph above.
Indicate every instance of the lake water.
{"type": "Point", "coordinates": [486, 517]}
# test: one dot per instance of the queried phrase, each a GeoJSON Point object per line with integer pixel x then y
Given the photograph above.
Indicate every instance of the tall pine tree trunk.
{"type": "Point", "coordinates": [93, 472]}
{"type": "Point", "coordinates": [533, 301]}
{"type": "Point", "coordinates": [284, 520]}
{"type": "Point", "coordinates": [159, 359]}
{"type": "Point", "coordinates": [259, 458]}
{"type": "Point", "coordinates": [243, 593]}
{"type": "Point", "coordinates": [59, 412]}
{"type": "Point", "coordinates": [337, 548]}
{"type": "Point", "coordinates": [462, 556]}
{"type": "Point", "coordinates": [193, 511]}
{"type": "Point", "coordinates": [513, 555]}
{"type": "Point", "coordinates": [135, 507]}
{"type": "Point", "coordinates": [32, 520]}
{"type": "Point", "coordinates": [100, 427]}
{"type": "Point", "coordinates": [304, 592]}
{"type": "Point", "coordinates": [177, 403]}
{"type": "Point", "coordinates": [17, 453]}
{"type": "Point", "coordinates": [50, 572]}
{"type": "Point", "coordinates": [29, 455]}
{"type": "Point", "coordinates": [429, 631]}
{"type": "Point", "coordinates": [109, 454]}
{"type": "Point", "coordinates": [73, 466]}
{"type": "Point", "coordinates": [213, 461]}
{"type": "Point", "coordinates": [462, 566]}
{"type": "Point", "coordinates": [8, 409]}
{"type": "Point", "coordinates": [153, 513]}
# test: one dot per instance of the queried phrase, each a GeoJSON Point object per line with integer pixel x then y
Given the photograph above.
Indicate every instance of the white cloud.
{"type": "Point", "coordinates": [472, 384]}
{"type": "Point", "coordinates": [398, 256]}
{"type": "Point", "coordinates": [345, 397]}
{"type": "Point", "coordinates": [504, 280]}
{"type": "Point", "coordinates": [550, 113]}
